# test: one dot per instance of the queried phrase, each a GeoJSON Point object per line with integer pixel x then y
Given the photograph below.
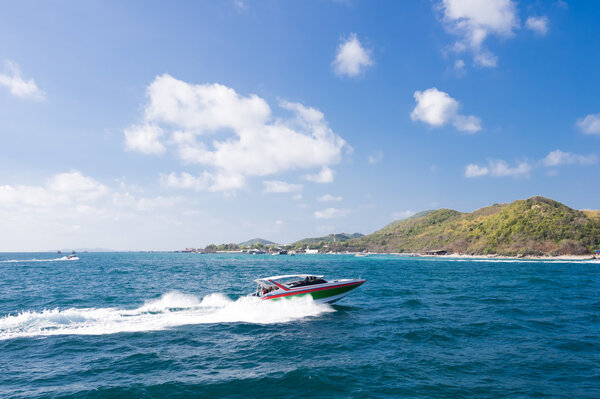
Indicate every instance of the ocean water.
{"type": "Point", "coordinates": [162, 325]}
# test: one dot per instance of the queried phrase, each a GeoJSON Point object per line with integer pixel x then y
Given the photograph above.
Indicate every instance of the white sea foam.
{"type": "Point", "coordinates": [170, 310]}
{"type": "Point", "coordinates": [39, 260]}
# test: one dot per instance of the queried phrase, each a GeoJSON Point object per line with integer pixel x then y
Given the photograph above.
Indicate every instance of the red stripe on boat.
{"type": "Point", "coordinates": [312, 290]}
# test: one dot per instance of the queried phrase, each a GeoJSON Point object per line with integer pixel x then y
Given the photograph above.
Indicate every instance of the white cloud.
{"type": "Point", "coordinates": [11, 79]}
{"type": "Point", "coordinates": [61, 189]}
{"type": "Point", "coordinates": [240, 5]}
{"type": "Point", "coordinates": [74, 183]}
{"type": "Point", "coordinates": [459, 67]}
{"type": "Point", "coordinates": [206, 181]}
{"type": "Point", "coordinates": [403, 214]}
{"type": "Point", "coordinates": [474, 170]}
{"type": "Point", "coordinates": [186, 181]}
{"type": "Point", "coordinates": [590, 124]}
{"type": "Point", "coordinates": [474, 20]}
{"type": "Point", "coordinates": [277, 186]}
{"type": "Point", "coordinates": [437, 108]}
{"type": "Point", "coordinates": [486, 59]}
{"type": "Point", "coordinates": [330, 213]}
{"type": "Point", "coordinates": [71, 191]}
{"type": "Point", "coordinates": [328, 198]}
{"type": "Point", "coordinates": [558, 157]}
{"type": "Point", "coordinates": [324, 176]}
{"type": "Point", "coordinates": [561, 4]}
{"type": "Point", "coordinates": [246, 139]}
{"type": "Point", "coordinates": [469, 123]}
{"type": "Point", "coordinates": [538, 24]}
{"type": "Point", "coordinates": [71, 208]}
{"type": "Point", "coordinates": [501, 168]}
{"type": "Point", "coordinates": [375, 158]}
{"type": "Point", "coordinates": [434, 107]}
{"type": "Point", "coordinates": [144, 139]}
{"type": "Point", "coordinates": [351, 58]}
{"type": "Point", "coordinates": [498, 168]}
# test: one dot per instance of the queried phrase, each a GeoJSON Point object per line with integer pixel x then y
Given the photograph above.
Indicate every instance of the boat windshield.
{"type": "Point", "coordinates": [270, 284]}
{"type": "Point", "coordinates": [308, 280]}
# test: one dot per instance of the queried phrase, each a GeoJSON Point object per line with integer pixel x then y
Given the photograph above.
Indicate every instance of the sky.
{"type": "Point", "coordinates": [146, 125]}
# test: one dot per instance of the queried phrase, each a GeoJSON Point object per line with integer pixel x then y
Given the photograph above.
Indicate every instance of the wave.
{"type": "Point", "coordinates": [170, 310]}
{"type": "Point", "coordinates": [39, 260]}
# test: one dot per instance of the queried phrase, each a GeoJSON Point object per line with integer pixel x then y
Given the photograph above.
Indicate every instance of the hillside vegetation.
{"type": "Point", "coordinates": [255, 241]}
{"type": "Point", "coordinates": [535, 226]}
{"type": "Point", "coordinates": [316, 241]}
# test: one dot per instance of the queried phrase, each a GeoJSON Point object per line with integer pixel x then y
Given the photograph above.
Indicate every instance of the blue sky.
{"type": "Point", "coordinates": [144, 125]}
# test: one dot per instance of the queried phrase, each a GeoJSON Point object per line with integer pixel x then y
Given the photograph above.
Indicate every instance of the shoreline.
{"type": "Point", "coordinates": [558, 257]}
{"type": "Point", "coordinates": [494, 256]}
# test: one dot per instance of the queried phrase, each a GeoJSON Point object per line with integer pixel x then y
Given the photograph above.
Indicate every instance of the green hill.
{"type": "Point", "coordinates": [326, 239]}
{"type": "Point", "coordinates": [535, 226]}
{"type": "Point", "coordinates": [256, 241]}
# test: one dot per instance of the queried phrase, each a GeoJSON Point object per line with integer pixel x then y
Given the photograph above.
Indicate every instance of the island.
{"type": "Point", "coordinates": [533, 227]}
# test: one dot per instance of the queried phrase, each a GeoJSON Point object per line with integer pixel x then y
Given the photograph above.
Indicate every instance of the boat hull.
{"type": "Point", "coordinates": [326, 293]}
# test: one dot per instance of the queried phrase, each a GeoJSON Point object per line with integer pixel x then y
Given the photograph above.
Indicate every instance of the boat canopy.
{"type": "Point", "coordinates": [286, 276]}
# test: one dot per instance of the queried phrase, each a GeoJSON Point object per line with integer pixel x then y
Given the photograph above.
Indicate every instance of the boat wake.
{"type": "Point", "coordinates": [39, 260]}
{"type": "Point", "coordinates": [170, 310]}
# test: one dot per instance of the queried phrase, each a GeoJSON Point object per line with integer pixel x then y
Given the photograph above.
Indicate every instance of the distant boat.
{"type": "Point", "coordinates": [58, 252]}
{"type": "Point", "coordinates": [256, 252]}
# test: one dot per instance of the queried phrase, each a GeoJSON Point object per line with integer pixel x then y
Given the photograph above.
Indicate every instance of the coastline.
{"type": "Point", "coordinates": [558, 257]}
{"type": "Point", "coordinates": [494, 256]}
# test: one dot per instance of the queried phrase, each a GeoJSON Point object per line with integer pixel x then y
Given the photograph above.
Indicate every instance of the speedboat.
{"type": "Point", "coordinates": [297, 285]}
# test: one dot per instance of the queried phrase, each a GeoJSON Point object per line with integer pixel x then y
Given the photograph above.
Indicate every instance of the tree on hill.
{"type": "Point", "coordinates": [228, 247]}
{"type": "Point", "coordinates": [210, 248]}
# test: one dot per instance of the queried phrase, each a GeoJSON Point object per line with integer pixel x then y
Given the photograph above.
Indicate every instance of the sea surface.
{"type": "Point", "coordinates": [168, 325]}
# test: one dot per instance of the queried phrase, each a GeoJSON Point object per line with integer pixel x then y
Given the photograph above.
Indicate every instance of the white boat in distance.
{"type": "Point", "coordinates": [296, 285]}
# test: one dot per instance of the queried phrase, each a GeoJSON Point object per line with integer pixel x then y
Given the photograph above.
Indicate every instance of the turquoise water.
{"type": "Point", "coordinates": [174, 325]}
